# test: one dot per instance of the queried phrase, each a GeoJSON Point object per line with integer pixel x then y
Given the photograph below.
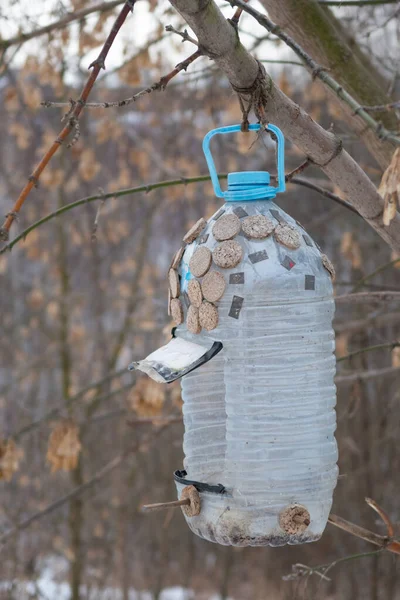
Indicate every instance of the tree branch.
{"type": "Point", "coordinates": [76, 15]}
{"type": "Point", "coordinates": [326, 39]}
{"type": "Point", "coordinates": [153, 186]}
{"type": "Point", "coordinates": [220, 41]}
{"type": "Point", "coordinates": [369, 349]}
{"type": "Point", "coordinates": [108, 468]}
{"type": "Point", "coordinates": [321, 73]}
{"type": "Point", "coordinates": [356, 2]}
{"type": "Point", "coordinates": [72, 118]}
{"type": "Point", "coordinates": [369, 536]}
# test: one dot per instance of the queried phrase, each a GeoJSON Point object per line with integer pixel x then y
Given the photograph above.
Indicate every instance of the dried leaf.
{"type": "Point", "coordinates": [10, 457]}
{"type": "Point", "coordinates": [147, 398]}
{"type": "Point", "coordinates": [396, 357]}
{"type": "Point", "coordinates": [389, 188]}
{"type": "Point", "coordinates": [64, 446]}
{"type": "Point", "coordinates": [350, 249]}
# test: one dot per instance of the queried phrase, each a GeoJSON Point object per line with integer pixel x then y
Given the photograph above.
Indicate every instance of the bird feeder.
{"type": "Point", "coordinates": [251, 296]}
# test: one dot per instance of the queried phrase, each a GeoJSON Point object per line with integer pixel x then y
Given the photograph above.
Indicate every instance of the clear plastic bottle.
{"type": "Point", "coordinates": [259, 417]}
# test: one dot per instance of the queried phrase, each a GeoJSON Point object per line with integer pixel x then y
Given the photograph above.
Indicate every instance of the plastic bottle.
{"type": "Point", "coordinates": [259, 417]}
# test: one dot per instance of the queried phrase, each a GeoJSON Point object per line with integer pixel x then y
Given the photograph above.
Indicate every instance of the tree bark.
{"type": "Point", "coordinates": [315, 28]}
{"type": "Point", "coordinates": [219, 40]}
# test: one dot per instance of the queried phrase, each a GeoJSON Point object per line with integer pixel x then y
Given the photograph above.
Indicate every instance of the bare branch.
{"type": "Point", "coordinates": [369, 536]}
{"type": "Point", "coordinates": [389, 346]}
{"type": "Point", "coordinates": [76, 15]}
{"type": "Point", "coordinates": [318, 71]}
{"type": "Point", "coordinates": [246, 75]}
{"type": "Point", "coordinates": [153, 186]}
{"type": "Point", "coordinates": [106, 470]}
{"type": "Point", "coordinates": [73, 116]}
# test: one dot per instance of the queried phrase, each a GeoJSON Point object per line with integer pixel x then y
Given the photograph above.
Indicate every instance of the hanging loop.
{"type": "Point", "coordinates": [253, 193]}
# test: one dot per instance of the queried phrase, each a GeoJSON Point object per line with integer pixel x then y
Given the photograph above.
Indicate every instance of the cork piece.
{"type": "Point", "coordinates": [195, 231]}
{"type": "Point", "coordinates": [226, 228]}
{"type": "Point", "coordinates": [228, 254]}
{"type": "Point", "coordinates": [169, 302]}
{"type": "Point", "coordinates": [194, 292]}
{"type": "Point", "coordinates": [177, 258]}
{"type": "Point", "coordinates": [193, 509]}
{"type": "Point", "coordinates": [287, 235]}
{"type": "Point", "coordinates": [257, 227]}
{"type": "Point", "coordinates": [208, 314]}
{"type": "Point", "coordinates": [192, 320]}
{"type": "Point", "coordinates": [294, 519]}
{"type": "Point", "coordinates": [200, 261]}
{"type": "Point", "coordinates": [174, 284]}
{"type": "Point", "coordinates": [213, 286]}
{"type": "Point", "coordinates": [328, 265]}
{"type": "Point", "coordinates": [177, 311]}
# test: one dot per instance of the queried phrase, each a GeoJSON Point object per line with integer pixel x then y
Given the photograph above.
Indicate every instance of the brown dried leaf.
{"type": "Point", "coordinates": [389, 188]}
{"type": "Point", "coordinates": [350, 249]}
{"type": "Point", "coordinates": [147, 398]}
{"type": "Point", "coordinates": [10, 457]}
{"type": "Point", "coordinates": [64, 446]}
{"type": "Point", "coordinates": [396, 357]}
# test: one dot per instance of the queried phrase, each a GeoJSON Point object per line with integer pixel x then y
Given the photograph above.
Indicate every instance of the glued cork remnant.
{"type": "Point", "coordinates": [226, 228]}
{"type": "Point", "coordinates": [328, 266]}
{"type": "Point", "coordinates": [174, 285]}
{"type": "Point", "coordinates": [195, 231]}
{"type": "Point", "coordinates": [192, 509]}
{"type": "Point", "coordinates": [200, 261]}
{"type": "Point", "coordinates": [257, 227]}
{"type": "Point", "coordinates": [193, 320]}
{"type": "Point", "coordinates": [294, 519]}
{"type": "Point", "coordinates": [194, 292]}
{"type": "Point", "coordinates": [177, 258]}
{"type": "Point", "coordinates": [228, 254]}
{"type": "Point", "coordinates": [176, 311]}
{"type": "Point", "coordinates": [287, 235]}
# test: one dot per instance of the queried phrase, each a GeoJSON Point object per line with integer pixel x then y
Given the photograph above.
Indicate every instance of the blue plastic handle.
{"type": "Point", "coordinates": [233, 128]}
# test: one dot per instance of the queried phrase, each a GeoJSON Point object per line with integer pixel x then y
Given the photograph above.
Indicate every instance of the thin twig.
{"type": "Point", "coordinates": [369, 349]}
{"type": "Point", "coordinates": [381, 107]}
{"type": "Point", "coordinates": [153, 186]}
{"type": "Point", "coordinates": [300, 570]}
{"type": "Point", "coordinates": [318, 71]}
{"type": "Point", "coordinates": [108, 468]}
{"type": "Point", "coordinates": [159, 85]}
{"type": "Point", "coordinates": [383, 515]}
{"type": "Point", "coordinates": [368, 297]}
{"type": "Point", "coordinates": [355, 2]}
{"type": "Point", "coordinates": [73, 116]}
{"type": "Point", "coordinates": [298, 170]}
{"type": "Point", "coordinates": [365, 534]}
{"type": "Point", "coordinates": [366, 375]}
{"type": "Point", "coordinates": [363, 281]}
{"type": "Point", "coordinates": [183, 34]}
{"type": "Point", "coordinates": [76, 15]}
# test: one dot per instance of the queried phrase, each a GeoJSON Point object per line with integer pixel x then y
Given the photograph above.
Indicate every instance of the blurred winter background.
{"type": "Point", "coordinates": [86, 293]}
